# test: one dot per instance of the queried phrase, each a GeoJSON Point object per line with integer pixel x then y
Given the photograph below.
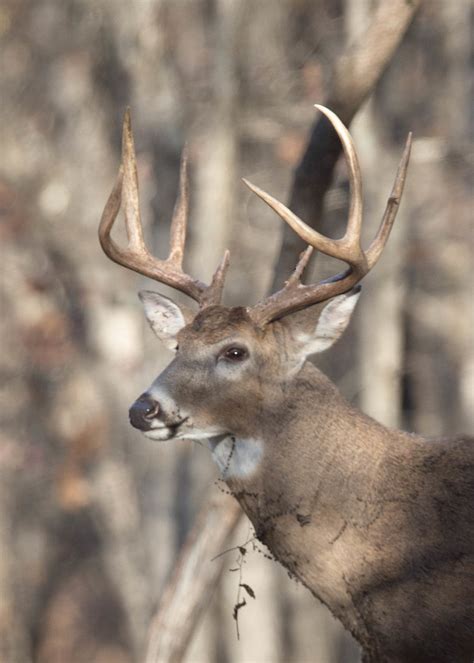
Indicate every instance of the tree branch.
{"type": "Point", "coordinates": [354, 77]}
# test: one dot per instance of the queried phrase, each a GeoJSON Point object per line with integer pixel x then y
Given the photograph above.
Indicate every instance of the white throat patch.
{"type": "Point", "coordinates": [237, 457]}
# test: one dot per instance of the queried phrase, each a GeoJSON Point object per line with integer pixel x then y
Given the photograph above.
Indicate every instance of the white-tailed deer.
{"type": "Point", "coordinates": [377, 523]}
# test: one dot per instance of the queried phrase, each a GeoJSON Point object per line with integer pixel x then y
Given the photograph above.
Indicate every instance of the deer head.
{"type": "Point", "coordinates": [232, 366]}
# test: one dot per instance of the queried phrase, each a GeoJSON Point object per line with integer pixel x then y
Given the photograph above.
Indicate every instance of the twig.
{"type": "Point", "coordinates": [242, 545]}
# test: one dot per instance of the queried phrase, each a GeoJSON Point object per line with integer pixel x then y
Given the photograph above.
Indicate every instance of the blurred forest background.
{"type": "Point", "coordinates": [92, 514]}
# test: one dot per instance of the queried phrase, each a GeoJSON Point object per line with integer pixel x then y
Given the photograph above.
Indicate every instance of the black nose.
{"type": "Point", "coordinates": [143, 411]}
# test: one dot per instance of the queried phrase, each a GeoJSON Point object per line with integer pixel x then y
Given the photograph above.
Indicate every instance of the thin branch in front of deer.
{"type": "Point", "coordinates": [241, 602]}
{"type": "Point", "coordinates": [240, 561]}
{"type": "Point", "coordinates": [229, 458]}
{"type": "Point", "coordinates": [240, 548]}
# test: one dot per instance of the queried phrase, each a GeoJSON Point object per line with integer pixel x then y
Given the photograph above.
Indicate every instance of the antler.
{"type": "Point", "coordinates": [294, 295]}
{"type": "Point", "coordinates": [136, 255]}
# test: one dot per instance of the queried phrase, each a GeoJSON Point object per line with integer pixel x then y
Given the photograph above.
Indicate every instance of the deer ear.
{"type": "Point", "coordinates": [318, 327]}
{"type": "Point", "coordinates": [331, 323]}
{"type": "Point", "coordinates": [165, 317]}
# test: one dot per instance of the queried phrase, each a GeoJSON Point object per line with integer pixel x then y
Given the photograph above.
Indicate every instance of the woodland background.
{"type": "Point", "coordinates": [92, 514]}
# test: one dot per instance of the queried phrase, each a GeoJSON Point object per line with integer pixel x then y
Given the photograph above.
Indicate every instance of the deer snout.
{"type": "Point", "coordinates": [143, 411]}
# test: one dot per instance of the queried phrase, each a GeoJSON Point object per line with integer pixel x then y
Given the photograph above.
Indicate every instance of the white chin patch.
{"type": "Point", "coordinates": [238, 457]}
{"type": "Point", "coordinates": [198, 434]}
{"type": "Point", "coordinates": [162, 433]}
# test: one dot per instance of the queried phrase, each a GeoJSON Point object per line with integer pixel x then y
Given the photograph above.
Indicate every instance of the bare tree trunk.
{"type": "Point", "coordinates": [189, 590]}
{"type": "Point", "coordinates": [380, 313]}
{"type": "Point", "coordinates": [116, 504]}
{"type": "Point", "coordinates": [217, 169]}
{"type": "Point", "coordinates": [438, 394]}
{"type": "Point", "coordinates": [15, 644]}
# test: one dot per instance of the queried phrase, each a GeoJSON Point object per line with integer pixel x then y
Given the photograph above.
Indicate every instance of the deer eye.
{"type": "Point", "coordinates": [234, 353]}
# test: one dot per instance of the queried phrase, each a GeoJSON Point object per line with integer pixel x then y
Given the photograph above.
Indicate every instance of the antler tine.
{"type": "Point", "coordinates": [294, 296]}
{"type": "Point", "coordinates": [354, 220]}
{"type": "Point", "coordinates": [310, 236]}
{"type": "Point", "coordinates": [348, 247]}
{"type": "Point", "coordinates": [295, 278]}
{"type": "Point", "coordinates": [180, 214]}
{"type": "Point", "coordinates": [133, 222]}
{"type": "Point", "coordinates": [136, 256]}
{"type": "Point", "coordinates": [213, 294]}
{"type": "Point", "coordinates": [375, 249]}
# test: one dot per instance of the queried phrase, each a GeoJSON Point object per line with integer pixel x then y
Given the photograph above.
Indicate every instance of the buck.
{"type": "Point", "coordinates": [376, 523]}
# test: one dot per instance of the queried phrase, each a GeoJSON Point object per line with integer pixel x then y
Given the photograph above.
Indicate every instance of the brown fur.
{"type": "Point", "coordinates": [378, 524]}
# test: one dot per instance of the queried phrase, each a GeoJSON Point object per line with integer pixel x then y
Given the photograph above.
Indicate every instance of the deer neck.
{"type": "Point", "coordinates": [307, 440]}
{"type": "Point", "coordinates": [309, 475]}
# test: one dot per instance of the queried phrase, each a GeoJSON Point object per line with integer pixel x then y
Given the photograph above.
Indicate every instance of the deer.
{"type": "Point", "coordinates": [377, 523]}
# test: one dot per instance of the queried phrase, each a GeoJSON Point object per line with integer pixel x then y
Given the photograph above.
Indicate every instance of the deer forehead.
{"type": "Point", "coordinates": [218, 324]}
